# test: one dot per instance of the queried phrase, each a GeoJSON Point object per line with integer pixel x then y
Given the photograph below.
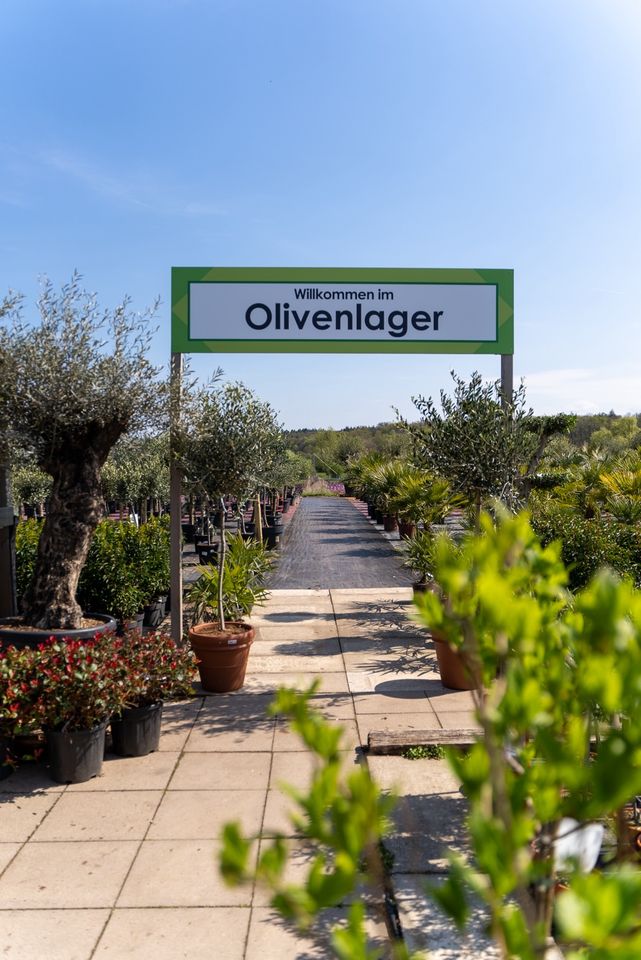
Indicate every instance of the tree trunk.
{"type": "Point", "coordinates": [73, 514]}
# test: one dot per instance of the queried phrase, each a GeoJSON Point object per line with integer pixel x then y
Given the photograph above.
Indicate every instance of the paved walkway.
{"type": "Point", "coordinates": [124, 866]}
{"type": "Point", "coordinates": [330, 544]}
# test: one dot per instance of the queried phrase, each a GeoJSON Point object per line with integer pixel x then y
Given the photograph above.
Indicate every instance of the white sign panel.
{"type": "Point", "coordinates": [337, 311]}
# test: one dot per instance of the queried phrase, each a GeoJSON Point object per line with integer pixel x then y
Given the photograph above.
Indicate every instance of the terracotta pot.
{"type": "Point", "coordinates": [221, 654]}
{"type": "Point", "coordinates": [390, 523]}
{"type": "Point", "coordinates": [407, 529]}
{"type": "Point", "coordinates": [454, 674]}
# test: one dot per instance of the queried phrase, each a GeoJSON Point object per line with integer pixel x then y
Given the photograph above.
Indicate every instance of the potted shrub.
{"type": "Point", "coordinates": [17, 710]}
{"type": "Point", "coordinates": [76, 689]}
{"type": "Point", "coordinates": [227, 447]}
{"type": "Point", "coordinates": [422, 556]}
{"type": "Point", "coordinates": [153, 669]}
{"type": "Point", "coordinates": [68, 398]}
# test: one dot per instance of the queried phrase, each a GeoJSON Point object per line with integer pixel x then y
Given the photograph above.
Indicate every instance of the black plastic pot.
{"type": "Point", "coordinates": [75, 756]}
{"type": "Point", "coordinates": [31, 637]}
{"type": "Point", "coordinates": [6, 769]}
{"type": "Point", "coordinates": [154, 614]}
{"type": "Point", "coordinates": [136, 732]}
{"type": "Point", "coordinates": [131, 624]}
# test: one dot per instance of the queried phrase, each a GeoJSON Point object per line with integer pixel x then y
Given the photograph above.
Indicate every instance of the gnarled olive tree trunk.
{"type": "Point", "coordinates": [75, 507]}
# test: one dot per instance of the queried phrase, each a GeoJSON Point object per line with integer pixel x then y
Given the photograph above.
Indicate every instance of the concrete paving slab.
{"type": "Point", "coordinates": [285, 739]}
{"type": "Point", "coordinates": [294, 631]}
{"type": "Point", "coordinates": [270, 937]}
{"type": "Point", "coordinates": [182, 933]}
{"type": "Point", "coordinates": [20, 815]}
{"type": "Point", "coordinates": [100, 816]}
{"type": "Point", "coordinates": [386, 684]}
{"type": "Point", "coordinates": [407, 701]}
{"type": "Point", "coordinates": [297, 593]}
{"type": "Point", "coordinates": [277, 821]}
{"type": "Point", "coordinates": [426, 927]}
{"type": "Point", "coordinates": [221, 771]}
{"type": "Point", "coordinates": [152, 772]}
{"type": "Point", "coordinates": [7, 853]}
{"type": "Point", "coordinates": [270, 682]}
{"type": "Point", "coordinates": [51, 934]}
{"type": "Point", "coordinates": [200, 814]}
{"type": "Point", "coordinates": [445, 700]}
{"type": "Point", "coordinates": [296, 768]}
{"type": "Point", "coordinates": [180, 873]}
{"type": "Point", "coordinates": [66, 875]}
{"type": "Point", "coordinates": [29, 779]}
{"type": "Point", "coordinates": [334, 706]}
{"type": "Point", "coordinates": [275, 618]}
{"type": "Point", "coordinates": [288, 663]}
{"type": "Point", "coordinates": [457, 719]}
{"type": "Point", "coordinates": [237, 737]}
{"type": "Point", "coordinates": [429, 817]}
{"type": "Point", "coordinates": [395, 722]}
{"type": "Point", "coordinates": [297, 647]}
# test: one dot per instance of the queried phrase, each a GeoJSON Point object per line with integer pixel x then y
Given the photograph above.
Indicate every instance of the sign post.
{"type": "Point", "coordinates": [334, 310]}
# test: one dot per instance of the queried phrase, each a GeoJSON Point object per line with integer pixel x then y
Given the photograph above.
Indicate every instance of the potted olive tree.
{"type": "Point", "coordinates": [226, 447]}
{"type": "Point", "coordinates": [70, 386]}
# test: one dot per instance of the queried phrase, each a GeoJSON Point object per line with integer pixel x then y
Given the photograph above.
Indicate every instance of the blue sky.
{"type": "Point", "coordinates": [140, 134]}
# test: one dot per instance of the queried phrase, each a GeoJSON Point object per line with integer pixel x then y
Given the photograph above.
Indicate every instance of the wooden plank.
{"type": "Point", "coordinates": [393, 741]}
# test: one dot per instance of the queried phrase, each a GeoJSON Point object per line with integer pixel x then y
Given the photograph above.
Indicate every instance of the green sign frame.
{"type": "Point", "coordinates": [182, 277]}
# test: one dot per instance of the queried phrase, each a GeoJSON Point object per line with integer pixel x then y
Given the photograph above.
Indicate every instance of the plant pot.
{"type": "Point", "coordinates": [131, 624]}
{"type": "Point", "coordinates": [6, 768]}
{"type": "Point", "coordinates": [75, 756]}
{"type": "Point", "coordinates": [270, 537]}
{"type": "Point", "coordinates": [136, 731]}
{"type": "Point", "coordinates": [454, 673]}
{"type": "Point", "coordinates": [390, 524]}
{"type": "Point", "coordinates": [13, 634]}
{"type": "Point", "coordinates": [154, 614]}
{"type": "Point", "coordinates": [379, 518]}
{"type": "Point", "coordinates": [421, 586]}
{"type": "Point", "coordinates": [207, 552]}
{"type": "Point", "coordinates": [189, 532]}
{"type": "Point", "coordinates": [406, 529]}
{"type": "Point", "coordinates": [221, 654]}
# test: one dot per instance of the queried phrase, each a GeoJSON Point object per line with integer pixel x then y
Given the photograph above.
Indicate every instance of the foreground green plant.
{"type": "Point", "coordinates": [343, 814]}
{"type": "Point", "coordinates": [546, 669]}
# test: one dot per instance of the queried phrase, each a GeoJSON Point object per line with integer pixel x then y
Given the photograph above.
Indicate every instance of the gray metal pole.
{"type": "Point", "coordinates": [175, 505]}
{"type": "Point", "coordinates": [507, 377]}
{"type": "Point", "coordinates": [8, 603]}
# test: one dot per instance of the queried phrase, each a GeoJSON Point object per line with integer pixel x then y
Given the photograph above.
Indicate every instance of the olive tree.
{"type": "Point", "coordinates": [227, 445]}
{"type": "Point", "coordinates": [70, 386]}
{"type": "Point", "coordinates": [484, 446]}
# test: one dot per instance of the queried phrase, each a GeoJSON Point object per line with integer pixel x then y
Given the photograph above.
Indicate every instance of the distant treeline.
{"type": "Point", "coordinates": [331, 449]}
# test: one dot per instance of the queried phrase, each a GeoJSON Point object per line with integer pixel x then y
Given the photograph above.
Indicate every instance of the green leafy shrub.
{"type": "Point", "coordinates": [587, 544]}
{"type": "Point", "coordinates": [27, 538]}
{"type": "Point", "coordinates": [246, 568]}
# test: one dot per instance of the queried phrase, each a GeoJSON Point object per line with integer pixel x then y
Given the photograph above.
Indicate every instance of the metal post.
{"type": "Point", "coordinates": [507, 378]}
{"type": "Point", "coordinates": [175, 505]}
{"type": "Point", "coordinates": [8, 601]}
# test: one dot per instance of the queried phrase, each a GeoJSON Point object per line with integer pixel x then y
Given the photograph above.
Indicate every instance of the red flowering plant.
{"type": "Point", "coordinates": [78, 682]}
{"type": "Point", "coordinates": [17, 698]}
{"type": "Point", "coordinates": [153, 668]}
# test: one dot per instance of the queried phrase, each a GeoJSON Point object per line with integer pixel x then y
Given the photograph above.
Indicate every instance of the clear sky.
{"type": "Point", "coordinates": [140, 134]}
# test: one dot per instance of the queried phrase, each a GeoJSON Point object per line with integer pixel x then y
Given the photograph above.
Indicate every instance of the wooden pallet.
{"type": "Point", "coordinates": [394, 741]}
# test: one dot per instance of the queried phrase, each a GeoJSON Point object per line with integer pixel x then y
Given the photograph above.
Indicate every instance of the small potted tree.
{"type": "Point", "coordinates": [227, 448]}
{"type": "Point", "coordinates": [67, 397]}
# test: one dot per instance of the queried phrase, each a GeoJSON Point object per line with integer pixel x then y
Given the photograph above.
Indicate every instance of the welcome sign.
{"type": "Point", "coordinates": [237, 310]}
